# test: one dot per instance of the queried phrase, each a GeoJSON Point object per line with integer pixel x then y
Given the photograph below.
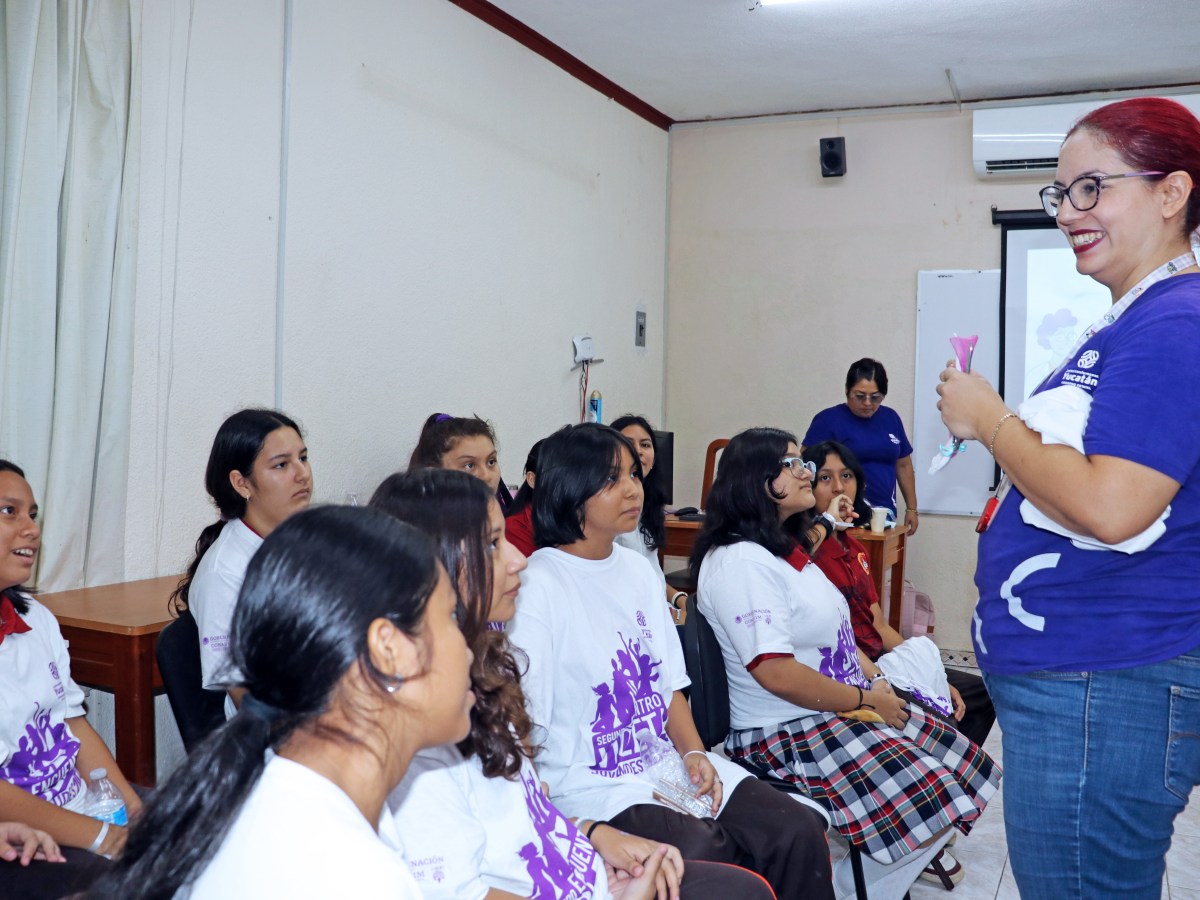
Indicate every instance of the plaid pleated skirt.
{"type": "Point", "coordinates": [887, 790]}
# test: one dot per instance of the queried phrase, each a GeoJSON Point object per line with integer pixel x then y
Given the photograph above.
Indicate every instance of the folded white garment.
{"type": "Point", "coordinates": [1060, 415]}
{"type": "Point", "coordinates": [916, 666]}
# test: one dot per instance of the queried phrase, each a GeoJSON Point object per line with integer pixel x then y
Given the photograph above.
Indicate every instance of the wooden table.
{"type": "Point", "coordinates": [885, 552]}
{"type": "Point", "coordinates": [680, 538]}
{"type": "Point", "coordinates": [112, 631]}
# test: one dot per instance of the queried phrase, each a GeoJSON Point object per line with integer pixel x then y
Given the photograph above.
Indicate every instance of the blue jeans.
{"type": "Point", "coordinates": [1096, 767]}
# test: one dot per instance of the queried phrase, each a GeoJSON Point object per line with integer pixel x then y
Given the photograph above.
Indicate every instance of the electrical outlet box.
{"type": "Point", "coordinates": [639, 330]}
{"type": "Point", "coordinates": [583, 348]}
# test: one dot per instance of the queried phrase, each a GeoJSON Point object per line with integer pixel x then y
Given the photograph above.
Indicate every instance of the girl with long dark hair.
{"type": "Point", "coordinates": [605, 664]}
{"type": "Point", "coordinates": [352, 661]}
{"type": "Point", "coordinates": [890, 785]}
{"type": "Point", "coordinates": [258, 474]}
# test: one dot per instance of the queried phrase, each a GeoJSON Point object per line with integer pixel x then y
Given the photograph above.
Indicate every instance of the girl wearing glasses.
{"type": "Point", "coordinates": [1088, 623]}
{"type": "Point", "coordinates": [876, 435]}
{"type": "Point", "coordinates": [798, 686]}
{"type": "Point", "coordinates": [606, 664]}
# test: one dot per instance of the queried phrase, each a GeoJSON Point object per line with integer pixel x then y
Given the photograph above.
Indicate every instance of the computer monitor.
{"type": "Point", "coordinates": [664, 464]}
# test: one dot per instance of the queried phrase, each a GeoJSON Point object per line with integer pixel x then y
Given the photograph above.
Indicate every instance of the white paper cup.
{"type": "Point", "coordinates": [879, 517]}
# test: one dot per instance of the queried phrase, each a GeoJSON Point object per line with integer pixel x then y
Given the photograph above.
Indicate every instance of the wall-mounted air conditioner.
{"type": "Point", "coordinates": [1024, 140]}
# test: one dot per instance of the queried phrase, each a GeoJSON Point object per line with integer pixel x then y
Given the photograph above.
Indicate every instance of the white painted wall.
{"type": "Point", "coordinates": [778, 279]}
{"type": "Point", "coordinates": [457, 208]}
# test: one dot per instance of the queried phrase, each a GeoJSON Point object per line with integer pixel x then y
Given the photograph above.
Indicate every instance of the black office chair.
{"type": "Point", "coordinates": [710, 710]}
{"type": "Point", "coordinates": [197, 711]}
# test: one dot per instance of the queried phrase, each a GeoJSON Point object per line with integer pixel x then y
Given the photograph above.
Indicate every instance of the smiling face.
{"type": "Point", "coordinates": [617, 508]}
{"type": "Point", "coordinates": [1121, 238]}
{"type": "Point", "coordinates": [278, 484]}
{"type": "Point", "coordinates": [20, 536]}
{"type": "Point", "coordinates": [644, 445]}
{"type": "Point", "coordinates": [864, 399]}
{"type": "Point", "coordinates": [793, 492]}
{"type": "Point", "coordinates": [507, 564]}
{"type": "Point", "coordinates": [475, 455]}
{"type": "Point", "coordinates": [834, 478]}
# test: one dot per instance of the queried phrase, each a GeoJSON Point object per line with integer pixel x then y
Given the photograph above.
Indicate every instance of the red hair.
{"type": "Point", "coordinates": [1155, 134]}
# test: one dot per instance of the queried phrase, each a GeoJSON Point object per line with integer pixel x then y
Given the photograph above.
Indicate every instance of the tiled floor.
{"type": "Point", "coordinates": [984, 854]}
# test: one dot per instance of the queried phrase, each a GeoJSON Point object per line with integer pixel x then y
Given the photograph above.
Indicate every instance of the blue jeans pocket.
{"type": "Point", "coordinates": [1182, 765]}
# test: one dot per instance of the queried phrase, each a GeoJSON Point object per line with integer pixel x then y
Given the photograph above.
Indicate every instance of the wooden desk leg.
{"type": "Point", "coordinates": [133, 702]}
{"type": "Point", "coordinates": [897, 593]}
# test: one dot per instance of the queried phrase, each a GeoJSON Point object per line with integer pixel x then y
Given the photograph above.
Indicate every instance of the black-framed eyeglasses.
{"type": "Point", "coordinates": [1083, 192]}
{"type": "Point", "coordinates": [798, 466]}
{"type": "Point", "coordinates": [874, 398]}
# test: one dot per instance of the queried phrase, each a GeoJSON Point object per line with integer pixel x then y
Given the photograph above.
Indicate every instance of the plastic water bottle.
{"type": "Point", "coordinates": [104, 801]}
{"type": "Point", "coordinates": [663, 766]}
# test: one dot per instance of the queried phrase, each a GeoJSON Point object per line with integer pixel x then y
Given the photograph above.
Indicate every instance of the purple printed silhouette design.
{"type": "Point", "coordinates": [44, 761]}
{"type": "Point", "coordinates": [624, 707]}
{"type": "Point", "coordinates": [942, 703]}
{"type": "Point", "coordinates": [841, 662]}
{"type": "Point", "coordinates": [561, 867]}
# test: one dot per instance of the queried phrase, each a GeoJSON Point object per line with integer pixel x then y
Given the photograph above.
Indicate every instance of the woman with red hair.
{"type": "Point", "coordinates": [1088, 623]}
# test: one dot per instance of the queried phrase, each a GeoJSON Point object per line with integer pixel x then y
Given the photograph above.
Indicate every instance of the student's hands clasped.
{"type": "Point", "coordinates": [630, 858]}
{"type": "Point", "coordinates": [18, 840]}
{"type": "Point", "coordinates": [892, 708]}
{"type": "Point", "coordinates": [704, 775]}
{"type": "Point", "coordinates": [624, 886]}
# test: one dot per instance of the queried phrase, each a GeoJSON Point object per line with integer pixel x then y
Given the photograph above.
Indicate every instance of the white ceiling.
{"type": "Point", "coordinates": [702, 59]}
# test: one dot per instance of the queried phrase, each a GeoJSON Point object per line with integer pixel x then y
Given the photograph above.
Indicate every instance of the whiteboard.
{"type": "Point", "coordinates": [953, 301]}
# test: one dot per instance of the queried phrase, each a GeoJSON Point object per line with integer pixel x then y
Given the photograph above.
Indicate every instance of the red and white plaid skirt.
{"type": "Point", "coordinates": [886, 790]}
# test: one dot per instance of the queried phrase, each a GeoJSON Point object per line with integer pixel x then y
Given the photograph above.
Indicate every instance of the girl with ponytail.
{"type": "Point", "coordinates": [346, 641]}
{"type": "Point", "coordinates": [258, 475]}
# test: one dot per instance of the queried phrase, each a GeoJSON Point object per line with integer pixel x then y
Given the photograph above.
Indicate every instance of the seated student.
{"type": "Point", "coordinates": [467, 444]}
{"type": "Point", "coordinates": [33, 867]}
{"type": "Point", "coordinates": [518, 518]}
{"type": "Point", "coordinates": [605, 663]}
{"type": "Point", "coordinates": [345, 638]}
{"type": "Point", "coordinates": [890, 787]}
{"type": "Point", "coordinates": [47, 746]}
{"type": "Point", "coordinates": [651, 533]}
{"type": "Point", "coordinates": [258, 474]}
{"type": "Point", "coordinates": [478, 809]}
{"type": "Point", "coordinates": [844, 562]}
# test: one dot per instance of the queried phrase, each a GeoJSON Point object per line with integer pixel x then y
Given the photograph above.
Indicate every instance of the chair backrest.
{"type": "Point", "coordinates": [197, 711]}
{"type": "Point", "coordinates": [710, 468]}
{"type": "Point", "coordinates": [706, 668]}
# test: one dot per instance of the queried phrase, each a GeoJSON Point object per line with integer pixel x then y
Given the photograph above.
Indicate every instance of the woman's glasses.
{"type": "Point", "coordinates": [798, 466]}
{"type": "Point", "coordinates": [1083, 192]}
{"type": "Point", "coordinates": [874, 399]}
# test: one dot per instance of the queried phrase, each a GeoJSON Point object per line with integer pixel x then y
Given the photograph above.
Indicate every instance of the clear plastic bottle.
{"type": "Point", "coordinates": [104, 801]}
{"type": "Point", "coordinates": [663, 766]}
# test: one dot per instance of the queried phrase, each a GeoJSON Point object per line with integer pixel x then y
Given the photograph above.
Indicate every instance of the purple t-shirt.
{"type": "Point", "coordinates": [878, 442]}
{"type": "Point", "coordinates": [1047, 604]}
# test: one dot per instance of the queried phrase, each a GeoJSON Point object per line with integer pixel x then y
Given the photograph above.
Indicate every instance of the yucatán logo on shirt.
{"type": "Point", "coordinates": [1088, 359]}
{"type": "Point", "coordinates": [895, 440]}
{"type": "Point", "coordinates": [624, 706]}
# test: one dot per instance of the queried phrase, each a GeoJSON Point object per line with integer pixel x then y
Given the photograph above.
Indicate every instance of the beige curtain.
{"type": "Point", "coordinates": [68, 204]}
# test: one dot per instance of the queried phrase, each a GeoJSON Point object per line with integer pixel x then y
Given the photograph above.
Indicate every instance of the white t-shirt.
{"type": "Point", "coordinates": [758, 603]}
{"type": "Point", "coordinates": [634, 541]}
{"type": "Point", "coordinates": [464, 833]}
{"type": "Point", "coordinates": [604, 662]}
{"type": "Point", "coordinates": [37, 696]}
{"type": "Point", "coordinates": [299, 835]}
{"type": "Point", "coordinates": [212, 598]}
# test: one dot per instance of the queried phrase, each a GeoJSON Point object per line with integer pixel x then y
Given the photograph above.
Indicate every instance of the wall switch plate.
{"type": "Point", "coordinates": [639, 330]}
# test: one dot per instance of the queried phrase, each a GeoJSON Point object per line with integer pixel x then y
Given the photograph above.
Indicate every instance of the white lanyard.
{"type": "Point", "coordinates": [1166, 270]}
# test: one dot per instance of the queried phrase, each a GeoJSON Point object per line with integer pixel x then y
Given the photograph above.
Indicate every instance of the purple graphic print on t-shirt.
{"type": "Point", "coordinates": [555, 876]}
{"type": "Point", "coordinates": [841, 662]}
{"type": "Point", "coordinates": [44, 762]}
{"type": "Point", "coordinates": [624, 707]}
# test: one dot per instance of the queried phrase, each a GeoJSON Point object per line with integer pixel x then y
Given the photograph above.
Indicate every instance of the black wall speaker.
{"type": "Point", "coordinates": [833, 157]}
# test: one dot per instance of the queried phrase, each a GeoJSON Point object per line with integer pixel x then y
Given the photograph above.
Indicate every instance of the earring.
{"type": "Point", "coordinates": [393, 683]}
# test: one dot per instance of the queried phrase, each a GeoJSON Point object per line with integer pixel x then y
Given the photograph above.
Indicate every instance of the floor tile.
{"type": "Point", "coordinates": [1183, 862]}
{"type": "Point", "coordinates": [982, 871]}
